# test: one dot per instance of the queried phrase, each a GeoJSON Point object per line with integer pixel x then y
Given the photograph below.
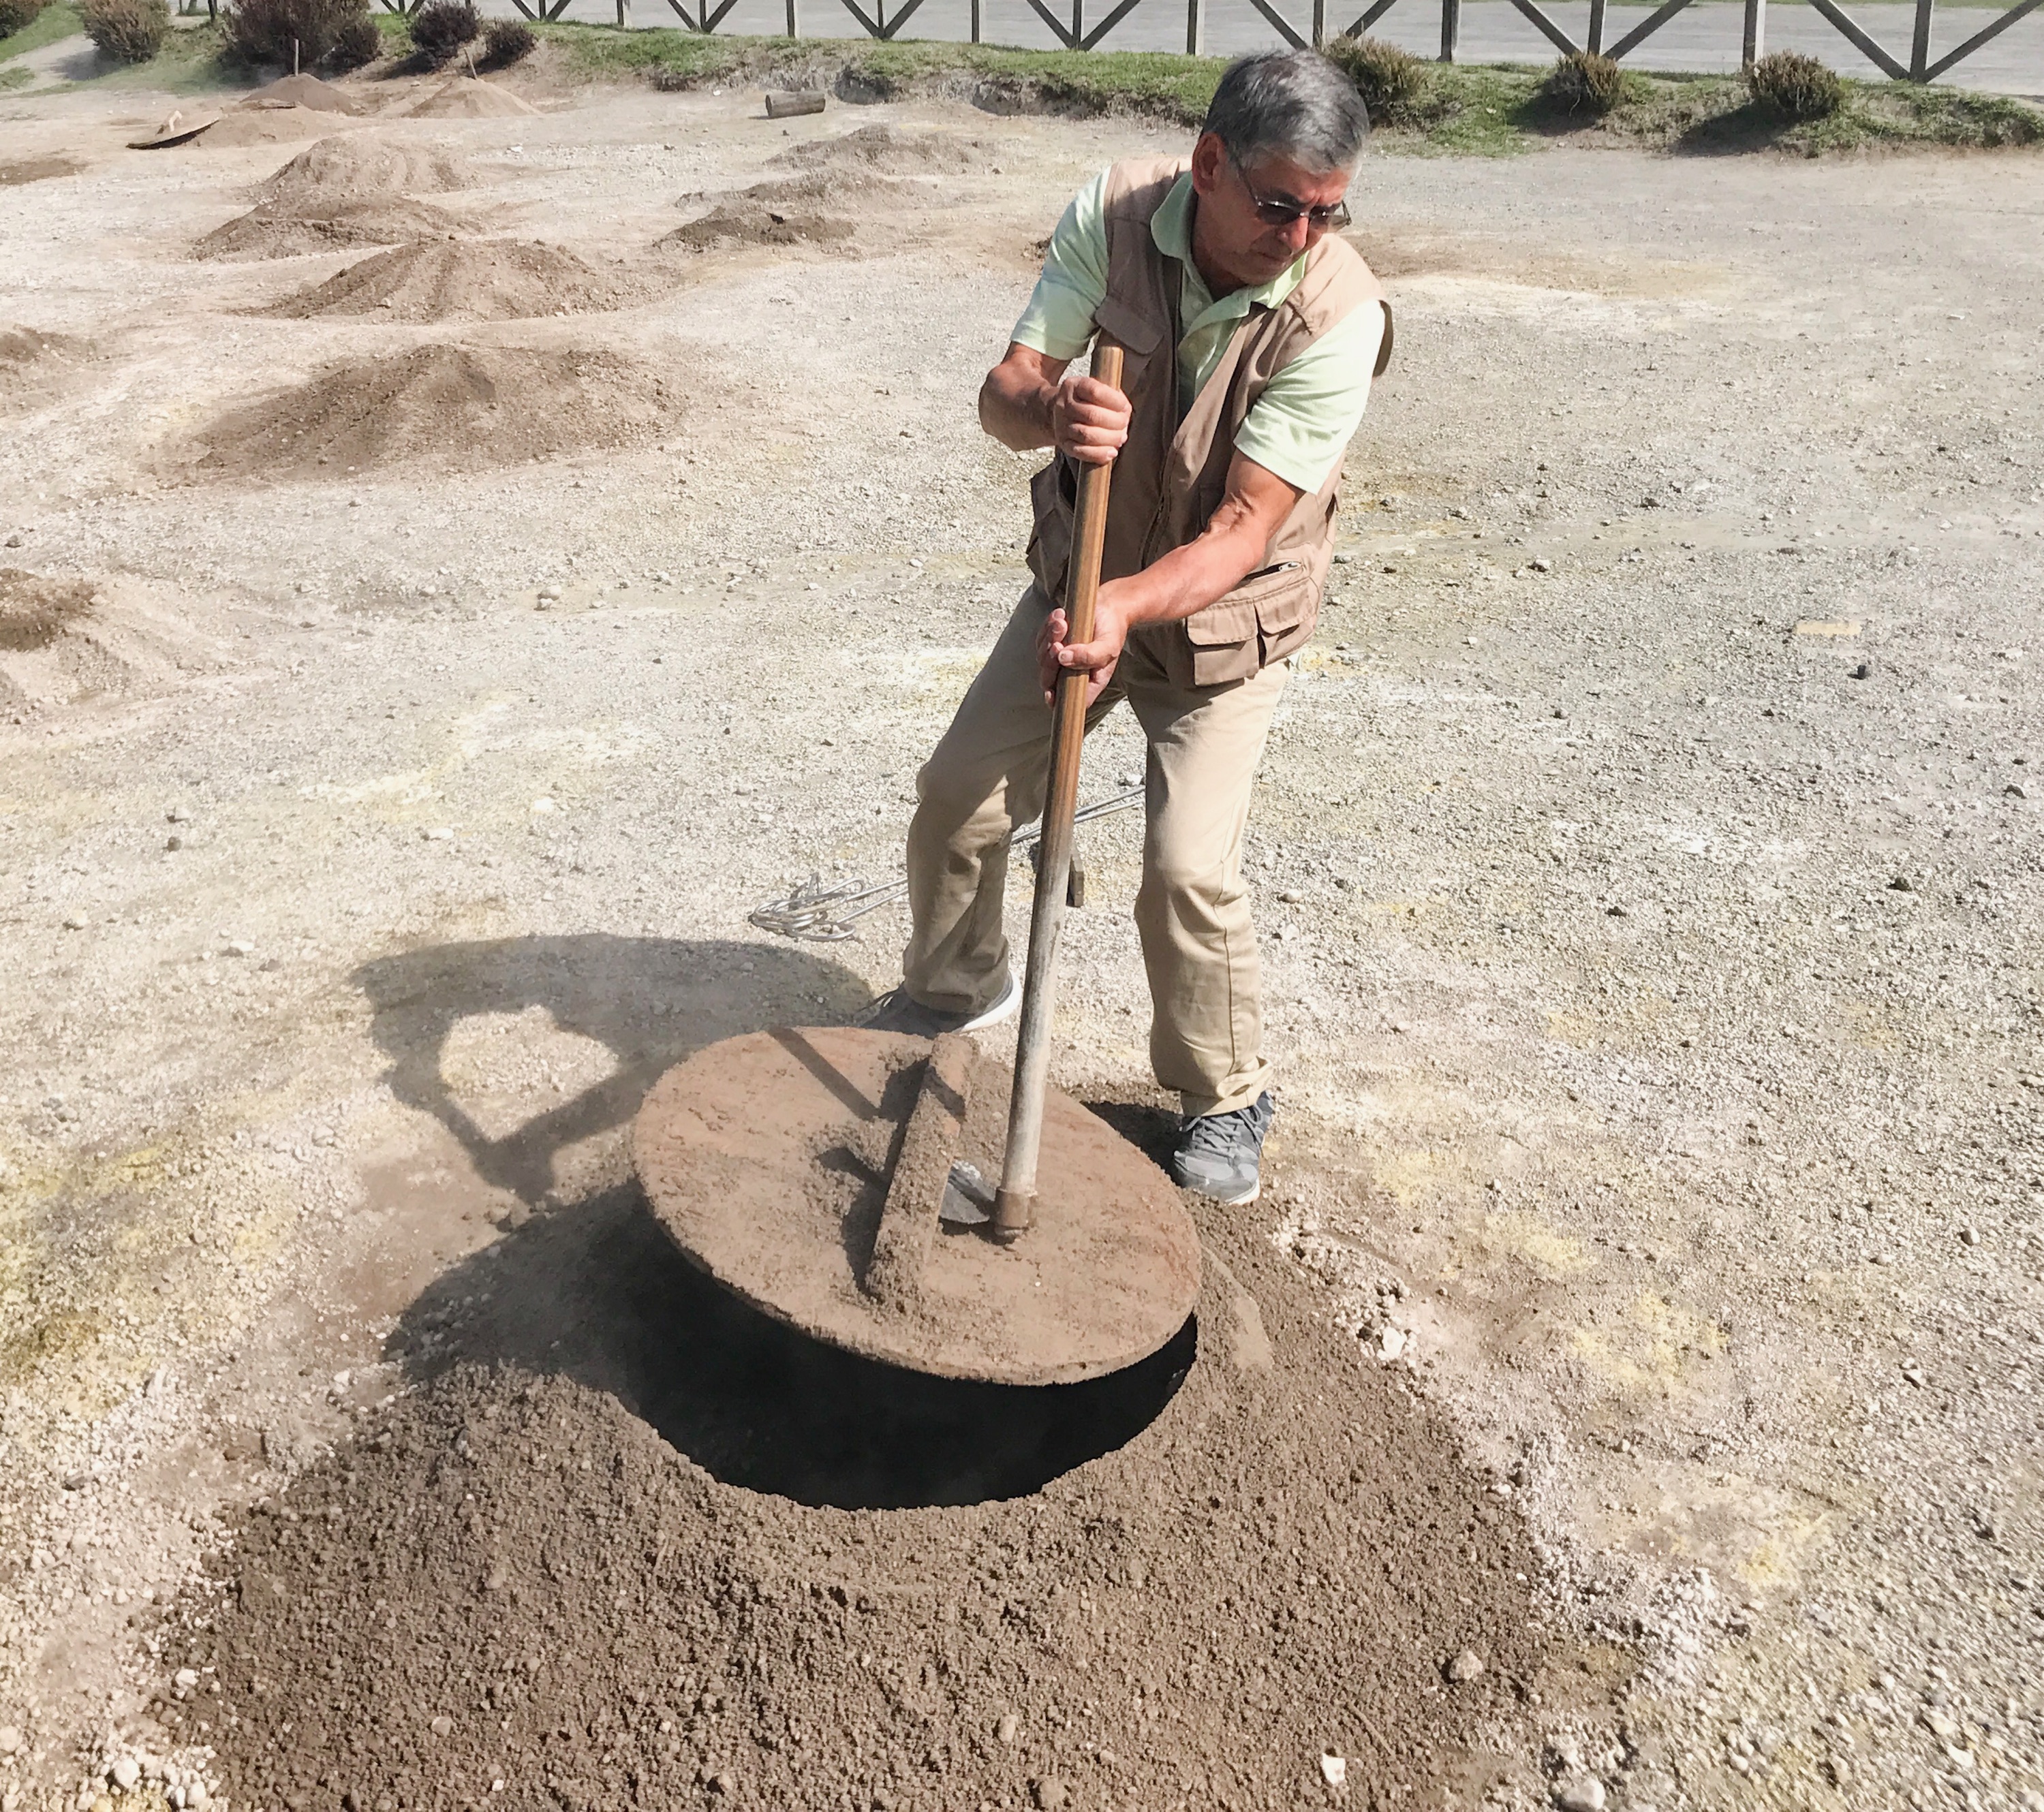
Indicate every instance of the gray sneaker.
{"type": "Point", "coordinates": [1221, 1155]}
{"type": "Point", "coordinates": [899, 1010]}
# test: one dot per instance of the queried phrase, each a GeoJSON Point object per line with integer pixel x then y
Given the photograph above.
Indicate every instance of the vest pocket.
{"type": "Point", "coordinates": [1265, 617]}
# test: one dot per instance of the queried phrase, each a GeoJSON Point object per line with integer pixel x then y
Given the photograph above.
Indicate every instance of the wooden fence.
{"type": "Point", "coordinates": [1081, 34]}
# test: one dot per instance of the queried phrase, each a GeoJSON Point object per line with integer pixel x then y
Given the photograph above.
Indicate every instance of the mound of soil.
{"type": "Point", "coordinates": [269, 125]}
{"type": "Point", "coordinates": [442, 405]}
{"type": "Point", "coordinates": [36, 170]}
{"type": "Point", "coordinates": [32, 363]}
{"type": "Point", "coordinates": [278, 229]}
{"type": "Point", "coordinates": [742, 222]}
{"type": "Point", "coordinates": [458, 279]}
{"type": "Point", "coordinates": [303, 91]}
{"type": "Point", "coordinates": [713, 1559]}
{"type": "Point", "coordinates": [883, 148]}
{"type": "Point", "coordinates": [339, 171]}
{"type": "Point", "coordinates": [34, 612]}
{"type": "Point", "coordinates": [470, 97]}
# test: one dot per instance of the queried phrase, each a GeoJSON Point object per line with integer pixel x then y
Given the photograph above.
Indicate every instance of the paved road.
{"type": "Point", "coordinates": [1704, 38]}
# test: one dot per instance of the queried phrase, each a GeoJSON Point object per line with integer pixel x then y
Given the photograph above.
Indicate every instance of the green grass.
{"type": "Point", "coordinates": [54, 21]}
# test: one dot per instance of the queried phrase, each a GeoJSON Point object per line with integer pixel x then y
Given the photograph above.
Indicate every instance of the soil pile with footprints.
{"type": "Point", "coordinates": [703, 1555]}
{"type": "Point", "coordinates": [747, 220]}
{"type": "Point", "coordinates": [34, 611]}
{"type": "Point", "coordinates": [342, 193]}
{"type": "Point", "coordinates": [445, 406]}
{"type": "Point", "coordinates": [456, 279]}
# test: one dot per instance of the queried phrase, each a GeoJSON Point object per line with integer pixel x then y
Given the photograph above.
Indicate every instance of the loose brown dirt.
{"type": "Point", "coordinates": [304, 91]}
{"type": "Point", "coordinates": [888, 148]}
{"type": "Point", "coordinates": [277, 229]}
{"type": "Point", "coordinates": [269, 125]}
{"type": "Point", "coordinates": [36, 170]}
{"type": "Point", "coordinates": [447, 406]}
{"type": "Point", "coordinates": [744, 222]}
{"type": "Point", "coordinates": [34, 365]}
{"type": "Point", "coordinates": [470, 97]}
{"type": "Point", "coordinates": [663, 1570]}
{"type": "Point", "coordinates": [34, 611]}
{"type": "Point", "coordinates": [455, 279]}
{"type": "Point", "coordinates": [340, 170]}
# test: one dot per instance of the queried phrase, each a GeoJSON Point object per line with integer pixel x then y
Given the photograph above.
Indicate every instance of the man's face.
{"type": "Point", "coordinates": [1243, 246]}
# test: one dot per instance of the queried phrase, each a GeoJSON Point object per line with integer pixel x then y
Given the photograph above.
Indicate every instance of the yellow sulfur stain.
{"type": "Point", "coordinates": [1530, 1237]}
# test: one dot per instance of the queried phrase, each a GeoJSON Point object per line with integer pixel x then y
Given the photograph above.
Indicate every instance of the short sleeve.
{"type": "Point", "coordinates": [1058, 321]}
{"type": "Point", "coordinates": [1301, 426]}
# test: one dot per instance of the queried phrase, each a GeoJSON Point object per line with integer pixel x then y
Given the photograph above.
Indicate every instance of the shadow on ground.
{"type": "Point", "coordinates": [592, 1288]}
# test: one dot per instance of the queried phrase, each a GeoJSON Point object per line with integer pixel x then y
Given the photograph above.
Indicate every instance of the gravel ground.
{"type": "Point", "coordinates": [1646, 854]}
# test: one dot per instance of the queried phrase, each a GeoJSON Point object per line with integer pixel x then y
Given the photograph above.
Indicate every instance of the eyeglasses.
{"type": "Point", "coordinates": [1282, 213]}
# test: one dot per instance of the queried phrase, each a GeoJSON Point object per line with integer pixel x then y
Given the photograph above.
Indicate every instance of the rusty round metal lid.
{"type": "Point", "coordinates": [768, 1158]}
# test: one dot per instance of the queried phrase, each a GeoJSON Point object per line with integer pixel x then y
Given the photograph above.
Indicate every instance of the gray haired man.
{"type": "Point", "coordinates": [1250, 333]}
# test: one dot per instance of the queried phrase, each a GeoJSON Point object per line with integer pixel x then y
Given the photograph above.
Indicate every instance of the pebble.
{"type": "Point", "coordinates": [1541, 566]}
{"type": "Point", "coordinates": [77, 922]}
{"type": "Point", "coordinates": [1913, 1373]}
{"type": "Point", "coordinates": [239, 946]}
{"type": "Point", "coordinates": [125, 1774]}
{"type": "Point", "coordinates": [184, 1679]}
{"type": "Point", "coordinates": [1007, 1728]}
{"type": "Point", "coordinates": [1467, 1666]}
{"type": "Point", "coordinates": [443, 1725]}
{"type": "Point", "coordinates": [722, 1783]}
{"type": "Point", "coordinates": [1049, 1793]}
{"type": "Point", "coordinates": [1334, 1769]}
{"type": "Point", "coordinates": [439, 834]}
{"type": "Point", "coordinates": [1583, 1793]}
{"type": "Point", "coordinates": [10, 1740]}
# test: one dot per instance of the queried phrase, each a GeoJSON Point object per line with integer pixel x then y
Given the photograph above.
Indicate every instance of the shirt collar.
{"type": "Point", "coordinates": [1171, 227]}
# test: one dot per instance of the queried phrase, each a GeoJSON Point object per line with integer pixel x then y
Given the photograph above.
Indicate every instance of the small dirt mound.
{"type": "Point", "coordinates": [34, 612]}
{"type": "Point", "coordinates": [33, 364]}
{"type": "Point", "coordinates": [303, 91]}
{"type": "Point", "coordinates": [882, 147]}
{"type": "Point", "coordinates": [463, 280]}
{"type": "Point", "coordinates": [338, 171]}
{"type": "Point", "coordinates": [36, 170]}
{"type": "Point", "coordinates": [277, 231]}
{"type": "Point", "coordinates": [742, 222]}
{"type": "Point", "coordinates": [515, 1577]}
{"type": "Point", "coordinates": [448, 406]}
{"type": "Point", "coordinates": [269, 125]}
{"type": "Point", "coordinates": [470, 97]}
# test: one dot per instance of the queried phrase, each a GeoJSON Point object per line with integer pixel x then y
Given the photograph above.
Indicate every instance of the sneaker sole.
{"type": "Point", "coordinates": [1241, 1201]}
{"type": "Point", "coordinates": [1006, 1008]}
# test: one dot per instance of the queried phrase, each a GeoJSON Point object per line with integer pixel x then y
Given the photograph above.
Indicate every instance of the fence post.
{"type": "Point", "coordinates": [1196, 25]}
{"type": "Point", "coordinates": [1319, 23]}
{"type": "Point", "coordinates": [1919, 47]}
{"type": "Point", "coordinates": [975, 21]}
{"type": "Point", "coordinates": [1594, 43]}
{"type": "Point", "coordinates": [1078, 24]}
{"type": "Point", "coordinates": [1754, 46]}
{"type": "Point", "coordinates": [794, 21]}
{"type": "Point", "coordinates": [1451, 28]}
{"type": "Point", "coordinates": [624, 15]}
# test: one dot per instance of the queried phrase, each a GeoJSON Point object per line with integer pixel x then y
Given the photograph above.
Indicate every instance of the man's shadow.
{"type": "Point", "coordinates": [592, 1288]}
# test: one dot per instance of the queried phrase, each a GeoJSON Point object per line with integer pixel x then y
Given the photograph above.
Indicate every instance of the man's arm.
{"type": "Point", "coordinates": [1185, 580]}
{"type": "Point", "coordinates": [1030, 400]}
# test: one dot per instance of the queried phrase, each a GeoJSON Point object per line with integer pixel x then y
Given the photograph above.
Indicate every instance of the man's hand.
{"type": "Point", "coordinates": [1088, 420]}
{"type": "Point", "coordinates": [1030, 400]}
{"type": "Point", "coordinates": [1096, 659]}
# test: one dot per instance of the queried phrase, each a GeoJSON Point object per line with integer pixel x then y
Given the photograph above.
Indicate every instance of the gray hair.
{"type": "Point", "coordinates": [1291, 103]}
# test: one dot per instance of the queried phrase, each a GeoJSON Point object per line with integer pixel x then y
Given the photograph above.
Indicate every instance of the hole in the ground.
{"type": "Point", "coordinates": [596, 1291]}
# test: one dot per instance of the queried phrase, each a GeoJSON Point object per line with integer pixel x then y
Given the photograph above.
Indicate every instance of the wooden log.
{"type": "Point", "coordinates": [790, 106]}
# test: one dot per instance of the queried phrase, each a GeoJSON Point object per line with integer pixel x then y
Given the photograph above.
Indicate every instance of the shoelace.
{"type": "Point", "coordinates": [1223, 1132]}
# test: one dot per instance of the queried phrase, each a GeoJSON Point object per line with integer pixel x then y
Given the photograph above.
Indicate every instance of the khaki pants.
{"type": "Point", "coordinates": [989, 771]}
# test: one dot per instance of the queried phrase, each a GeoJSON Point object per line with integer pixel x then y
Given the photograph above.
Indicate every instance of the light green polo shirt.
{"type": "Point", "coordinates": [1300, 427]}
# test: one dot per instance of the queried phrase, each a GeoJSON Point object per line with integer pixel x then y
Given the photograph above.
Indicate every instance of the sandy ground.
{"type": "Point", "coordinates": [1646, 856]}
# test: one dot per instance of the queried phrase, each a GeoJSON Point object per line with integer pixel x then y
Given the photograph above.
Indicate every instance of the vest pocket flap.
{"type": "Point", "coordinates": [1276, 599]}
{"type": "Point", "coordinates": [1128, 327]}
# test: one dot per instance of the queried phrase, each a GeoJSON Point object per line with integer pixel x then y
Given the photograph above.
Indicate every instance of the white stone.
{"type": "Point", "coordinates": [125, 1774]}
{"type": "Point", "coordinates": [1583, 1793]}
{"type": "Point", "coordinates": [1334, 1769]}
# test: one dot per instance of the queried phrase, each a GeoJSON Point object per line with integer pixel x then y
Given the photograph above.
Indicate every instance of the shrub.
{"type": "Point", "coordinates": [1394, 83]}
{"type": "Point", "coordinates": [1795, 88]}
{"type": "Point", "coordinates": [441, 27]}
{"type": "Point", "coordinates": [357, 43]}
{"type": "Point", "coordinates": [132, 31]}
{"type": "Point", "coordinates": [1584, 83]}
{"type": "Point", "coordinates": [508, 41]}
{"type": "Point", "coordinates": [16, 14]}
{"type": "Point", "coordinates": [264, 31]}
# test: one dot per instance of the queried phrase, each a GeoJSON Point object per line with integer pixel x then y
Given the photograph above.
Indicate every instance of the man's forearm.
{"type": "Point", "coordinates": [1014, 408]}
{"type": "Point", "coordinates": [1188, 579]}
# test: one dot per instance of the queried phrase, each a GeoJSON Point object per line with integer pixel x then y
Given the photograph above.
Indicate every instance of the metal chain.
{"type": "Point", "coordinates": [821, 912]}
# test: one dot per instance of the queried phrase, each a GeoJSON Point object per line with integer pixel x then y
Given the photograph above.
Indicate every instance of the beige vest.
{"type": "Point", "coordinates": [1171, 475]}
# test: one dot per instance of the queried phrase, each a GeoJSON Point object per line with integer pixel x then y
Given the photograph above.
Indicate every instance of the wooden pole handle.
{"type": "Point", "coordinates": [1013, 1202]}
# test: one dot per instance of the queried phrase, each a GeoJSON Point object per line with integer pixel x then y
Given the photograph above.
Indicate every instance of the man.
{"type": "Point", "coordinates": [1250, 333]}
